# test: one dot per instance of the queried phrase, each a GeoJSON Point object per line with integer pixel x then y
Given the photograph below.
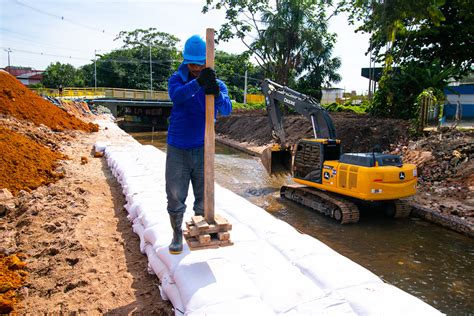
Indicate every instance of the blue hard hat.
{"type": "Point", "coordinates": [194, 51]}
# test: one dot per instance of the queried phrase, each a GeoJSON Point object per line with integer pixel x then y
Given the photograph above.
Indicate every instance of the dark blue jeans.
{"type": "Point", "coordinates": [183, 166]}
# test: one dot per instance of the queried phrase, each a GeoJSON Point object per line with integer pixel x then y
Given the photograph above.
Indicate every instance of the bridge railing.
{"type": "Point", "coordinates": [133, 94]}
{"type": "Point", "coordinates": [70, 92]}
{"type": "Point", "coordinates": [113, 93]}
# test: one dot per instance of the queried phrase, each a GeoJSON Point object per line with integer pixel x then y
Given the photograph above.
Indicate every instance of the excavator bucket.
{"type": "Point", "coordinates": [276, 160]}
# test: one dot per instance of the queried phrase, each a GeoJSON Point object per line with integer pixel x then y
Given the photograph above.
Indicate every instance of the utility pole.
{"type": "Point", "coordinates": [95, 68]}
{"type": "Point", "coordinates": [8, 50]}
{"type": "Point", "coordinates": [151, 71]}
{"type": "Point", "coordinates": [245, 88]}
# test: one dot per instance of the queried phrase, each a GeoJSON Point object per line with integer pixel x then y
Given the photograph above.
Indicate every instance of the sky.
{"type": "Point", "coordinates": [39, 32]}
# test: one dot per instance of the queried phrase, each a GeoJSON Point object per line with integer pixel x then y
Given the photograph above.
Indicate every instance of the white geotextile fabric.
{"type": "Point", "coordinates": [271, 268]}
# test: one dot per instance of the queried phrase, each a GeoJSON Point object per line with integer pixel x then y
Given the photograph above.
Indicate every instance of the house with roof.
{"type": "Point", "coordinates": [26, 75]}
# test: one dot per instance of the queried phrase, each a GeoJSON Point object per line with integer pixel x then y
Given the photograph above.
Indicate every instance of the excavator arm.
{"type": "Point", "coordinates": [277, 158]}
{"type": "Point", "coordinates": [276, 94]}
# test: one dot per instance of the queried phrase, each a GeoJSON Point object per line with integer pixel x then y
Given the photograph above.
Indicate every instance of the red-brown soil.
{"type": "Point", "coordinates": [25, 164]}
{"type": "Point", "coordinates": [20, 102]}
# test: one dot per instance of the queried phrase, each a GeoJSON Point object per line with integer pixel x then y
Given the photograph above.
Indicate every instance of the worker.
{"type": "Point", "coordinates": [185, 150]}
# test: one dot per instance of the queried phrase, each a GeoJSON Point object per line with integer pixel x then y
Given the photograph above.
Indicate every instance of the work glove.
{"type": "Point", "coordinates": [206, 77]}
{"type": "Point", "coordinates": [213, 88]}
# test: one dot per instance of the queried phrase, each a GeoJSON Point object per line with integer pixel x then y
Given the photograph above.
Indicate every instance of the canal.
{"type": "Point", "coordinates": [427, 261]}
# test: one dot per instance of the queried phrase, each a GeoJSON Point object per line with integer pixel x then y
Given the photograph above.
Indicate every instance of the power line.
{"type": "Point", "coordinates": [23, 37]}
{"type": "Point", "coordinates": [62, 18]}
{"type": "Point", "coordinates": [131, 60]}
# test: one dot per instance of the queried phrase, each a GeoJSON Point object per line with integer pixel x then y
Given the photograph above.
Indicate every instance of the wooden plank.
{"type": "Point", "coordinates": [209, 138]}
{"type": "Point", "coordinates": [204, 239]}
{"type": "Point", "coordinates": [195, 231]}
{"type": "Point", "coordinates": [220, 221]}
{"type": "Point", "coordinates": [223, 236]}
{"type": "Point", "coordinates": [200, 223]}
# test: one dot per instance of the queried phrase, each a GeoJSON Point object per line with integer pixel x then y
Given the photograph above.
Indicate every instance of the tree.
{"type": "Point", "coordinates": [129, 66]}
{"type": "Point", "coordinates": [424, 30]}
{"type": "Point", "coordinates": [420, 38]}
{"type": "Point", "coordinates": [231, 68]}
{"type": "Point", "coordinates": [288, 40]}
{"type": "Point", "coordinates": [62, 74]}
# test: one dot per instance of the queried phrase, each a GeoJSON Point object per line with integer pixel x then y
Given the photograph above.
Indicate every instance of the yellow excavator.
{"type": "Point", "coordinates": [329, 181]}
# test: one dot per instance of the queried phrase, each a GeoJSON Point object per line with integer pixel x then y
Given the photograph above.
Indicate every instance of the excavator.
{"type": "Point", "coordinates": [329, 181]}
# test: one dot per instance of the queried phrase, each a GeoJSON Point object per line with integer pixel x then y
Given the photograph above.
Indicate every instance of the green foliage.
{"type": "Point", "coordinates": [231, 69]}
{"type": "Point", "coordinates": [248, 106]}
{"type": "Point", "coordinates": [348, 107]}
{"type": "Point", "coordinates": [62, 74]}
{"type": "Point", "coordinates": [398, 90]}
{"type": "Point", "coordinates": [427, 40]}
{"type": "Point", "coordinates": [129, 66]}
{"type": "Point", "coordinates": [289, 38]}
{"type": "Point", "coordinates": [36, 86]}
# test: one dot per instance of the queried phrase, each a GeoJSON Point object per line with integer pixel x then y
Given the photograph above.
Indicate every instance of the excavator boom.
{"type": "Point", "coordinates": [278, 158]}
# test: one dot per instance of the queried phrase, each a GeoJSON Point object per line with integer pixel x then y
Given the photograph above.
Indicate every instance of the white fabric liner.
{"type": "Point", "coordinates": [271, 268]}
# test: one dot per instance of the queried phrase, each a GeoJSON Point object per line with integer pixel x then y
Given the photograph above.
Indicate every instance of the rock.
{"type": "Point", "coordinates": [38, 195]}
{"type": "Point", "coordinates": [84, 160]}
{"type": "Point", "coordinates": [5, 194]}
{"type": "Point", "coordinates": [6, 208]}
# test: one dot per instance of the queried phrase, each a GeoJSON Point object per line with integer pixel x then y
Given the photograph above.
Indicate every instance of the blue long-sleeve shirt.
{"type": "Point", "coordinates": [188, 116]}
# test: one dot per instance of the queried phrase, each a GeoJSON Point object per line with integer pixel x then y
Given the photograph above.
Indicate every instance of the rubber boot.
{"type": "Point", "coordinates": [176, 246]}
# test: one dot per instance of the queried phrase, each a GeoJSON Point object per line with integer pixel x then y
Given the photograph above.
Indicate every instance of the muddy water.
{"type": "Point", "coordinates": [430, 262]}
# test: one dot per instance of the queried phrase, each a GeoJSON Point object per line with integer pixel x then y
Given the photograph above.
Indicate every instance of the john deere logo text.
{"type": "Point", "coordinates": [288, 101]}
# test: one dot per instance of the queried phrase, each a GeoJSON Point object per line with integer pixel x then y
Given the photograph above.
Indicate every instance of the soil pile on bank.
{"type": "Point", "coordinates": [77, 108]}
{"type": "Point", "coordinates": [358, 133]}
{"type": "Point", "coordinates": [445, 162]}
{"type": "Point", "coordinates": [18, 101]}
{"type": "Point", "coordinates": [25, 164]}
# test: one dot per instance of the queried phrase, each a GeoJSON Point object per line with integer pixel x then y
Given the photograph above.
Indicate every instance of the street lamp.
{"type": "Point", "coordinates": [8, 50]}
{"type": "Point", "coordinates": [151, 70]}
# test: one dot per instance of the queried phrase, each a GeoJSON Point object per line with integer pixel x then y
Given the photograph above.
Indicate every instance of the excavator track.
{"type": "Point", "coordinates": [342, 210]}
{"type": "Point", "coordinates": [402, 209]}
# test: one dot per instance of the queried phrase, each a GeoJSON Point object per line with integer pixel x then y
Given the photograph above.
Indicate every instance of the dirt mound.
{"type": "Point", "coordinates": [18, 101]}
{"type": "Point", "coordinates": [77, 108]}
{"type": "Point", "coordinates": [24, 164]}
{"type": "Point", "coordinates": [358, 133]}
{"type": "Point", "coordinates": [445, 162]}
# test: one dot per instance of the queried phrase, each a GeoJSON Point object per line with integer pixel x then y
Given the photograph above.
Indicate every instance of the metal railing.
{"type": "Point", "coordinates": [70, 92]}
{"type": "Point", "coordinates": [113, 93]}
{"type": "Point", "coordinates": [133, 94]}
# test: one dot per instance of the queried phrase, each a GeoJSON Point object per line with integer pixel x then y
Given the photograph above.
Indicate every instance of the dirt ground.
{"type": "Point", "coordinates": [444, 158]}
{"type": "Point", "coordinates": [81, 253]}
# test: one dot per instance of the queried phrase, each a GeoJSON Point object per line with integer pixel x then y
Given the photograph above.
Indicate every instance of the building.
{"type": "Point", "coordinates": [331, 95]}
{"type": "Point", "coordinates": [26, 75]}
{"type": "Point", "coordinates": [459, 98]}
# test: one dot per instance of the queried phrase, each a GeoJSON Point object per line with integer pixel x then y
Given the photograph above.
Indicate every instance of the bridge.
{"type": "Point", "coordinates": [137, 107]}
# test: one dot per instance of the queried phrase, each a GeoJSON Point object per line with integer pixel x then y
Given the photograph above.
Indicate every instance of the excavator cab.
{"type": "Point", "coordinates": [277, 159]}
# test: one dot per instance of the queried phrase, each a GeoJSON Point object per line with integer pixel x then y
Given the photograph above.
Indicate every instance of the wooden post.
{"type": "Point", "coordinates": [209, 138]}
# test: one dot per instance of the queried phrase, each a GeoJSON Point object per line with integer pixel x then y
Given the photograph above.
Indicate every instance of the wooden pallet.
{"type": "Point", "coordinates": [201, 235]}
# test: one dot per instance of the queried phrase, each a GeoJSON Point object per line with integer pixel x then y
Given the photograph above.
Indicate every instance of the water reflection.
{"type": "Point", "coordinates": [423, 259]}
